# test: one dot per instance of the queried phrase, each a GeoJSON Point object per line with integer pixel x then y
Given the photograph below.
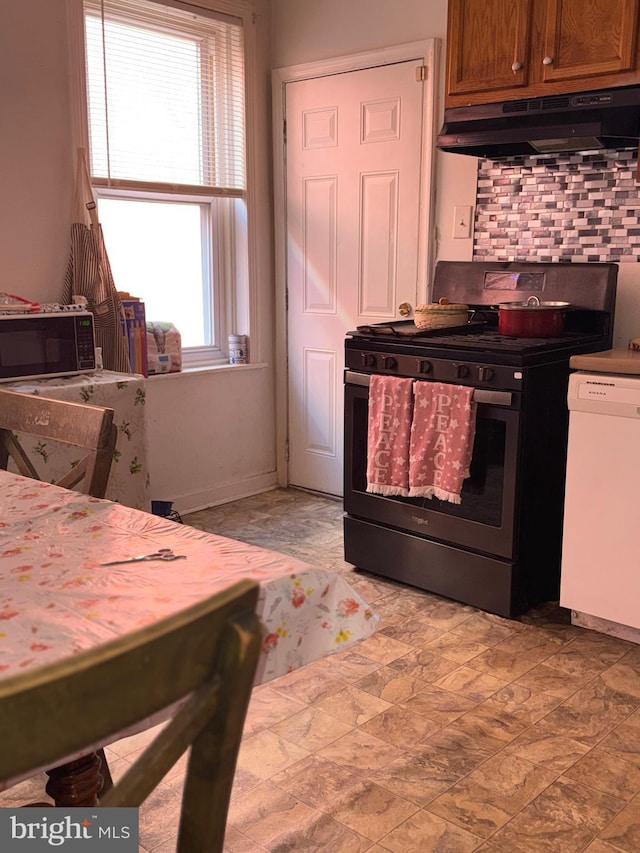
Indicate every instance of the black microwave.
{"type": "Point", "coordinates": [41, 345]}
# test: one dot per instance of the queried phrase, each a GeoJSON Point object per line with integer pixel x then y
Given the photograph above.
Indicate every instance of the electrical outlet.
{"type": "Point", "coordinates": [461, 222]}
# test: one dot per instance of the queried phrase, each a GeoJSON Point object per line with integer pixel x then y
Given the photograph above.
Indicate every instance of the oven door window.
{"type": "Point", "coordinates": [484, 518]}
{"type": "Point", "coordinates": [482, 493]}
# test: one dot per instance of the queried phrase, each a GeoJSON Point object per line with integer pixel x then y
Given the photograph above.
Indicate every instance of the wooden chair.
{"type": "Point", "coordinates": [90, 428]}
{"type": "Point", "coordinates": [207, 653]}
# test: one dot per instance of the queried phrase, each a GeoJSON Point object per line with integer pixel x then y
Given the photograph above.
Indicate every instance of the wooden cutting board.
{"type": "Point", "coordinates": [625, 361]}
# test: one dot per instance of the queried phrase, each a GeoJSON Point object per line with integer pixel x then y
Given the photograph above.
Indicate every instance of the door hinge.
{"type": "Point", "coordinates": [284, 131]}
{"type": "Point", "coordinates": [421, 73]}
{"type": "Point", "coordinates": [286, 450]}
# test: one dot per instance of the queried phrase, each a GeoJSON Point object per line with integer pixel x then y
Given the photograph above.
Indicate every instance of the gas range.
{"type": "Point", "coordinates": [488, 550]}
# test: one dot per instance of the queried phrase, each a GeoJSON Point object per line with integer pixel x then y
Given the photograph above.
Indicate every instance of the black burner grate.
{"type": "Point", "coordinates": [470, 339]}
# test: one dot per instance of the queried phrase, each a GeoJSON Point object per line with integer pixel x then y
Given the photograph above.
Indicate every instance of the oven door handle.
{"type": "Point", "coordinates": [480, 395]}
{"type": "Point", "coordinates": [493, 398]}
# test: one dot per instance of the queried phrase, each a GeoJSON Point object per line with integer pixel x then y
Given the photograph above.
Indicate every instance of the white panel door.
{"type": "Point", "coordinates": [353, 192]}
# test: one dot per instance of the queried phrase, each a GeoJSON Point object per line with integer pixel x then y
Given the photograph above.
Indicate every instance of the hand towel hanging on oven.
{"type": "Point", "coordinates": [441, 442]}
{"type": "Point", "coordinates": [389, 428]}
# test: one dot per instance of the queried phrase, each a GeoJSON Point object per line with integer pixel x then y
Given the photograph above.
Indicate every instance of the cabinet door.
{"type": "Point", "coordinates": [588, 38]}
{"type": "Point", "coordinates": [488, 45]}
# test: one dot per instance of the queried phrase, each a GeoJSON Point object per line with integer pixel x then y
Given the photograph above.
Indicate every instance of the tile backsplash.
{"type": "Point", "coordinates": [561, 207]}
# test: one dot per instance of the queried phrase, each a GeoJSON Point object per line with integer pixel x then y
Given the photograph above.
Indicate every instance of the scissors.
{"type": "Point", "coordinates": [164, 554]}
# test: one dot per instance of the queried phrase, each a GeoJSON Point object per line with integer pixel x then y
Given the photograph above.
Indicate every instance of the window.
{"type": "Point", "coordinates": [166, 126]}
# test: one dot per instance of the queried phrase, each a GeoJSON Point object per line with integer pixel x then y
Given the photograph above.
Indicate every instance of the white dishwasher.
{"type": "Point", "coordinates": [601, 541]}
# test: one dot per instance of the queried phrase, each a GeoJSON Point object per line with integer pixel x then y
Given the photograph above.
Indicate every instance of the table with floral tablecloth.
{"type": "Point", "coordinates": [122, 392]}
{"type": "Point", "coordinates": [56, 597]}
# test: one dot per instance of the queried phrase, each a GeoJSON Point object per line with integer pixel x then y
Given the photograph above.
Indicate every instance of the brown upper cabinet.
{"type": "Point", "coordinates": [503, 49]}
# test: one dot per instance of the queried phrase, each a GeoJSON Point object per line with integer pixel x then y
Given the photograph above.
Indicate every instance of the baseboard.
{"type": "Point", "coordinates": [225, 492]}
{"type": "Point", "coordinates": [605, 626]}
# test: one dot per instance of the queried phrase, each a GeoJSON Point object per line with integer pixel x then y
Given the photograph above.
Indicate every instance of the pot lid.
{"type": "Point", "coordinates": [533, 304]}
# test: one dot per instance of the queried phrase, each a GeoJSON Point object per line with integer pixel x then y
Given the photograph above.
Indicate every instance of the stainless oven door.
{"type": "Point", "coordinates": [484, 520]}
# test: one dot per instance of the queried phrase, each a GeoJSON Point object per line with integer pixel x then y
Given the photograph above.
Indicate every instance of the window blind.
{"type": "Point", "coordinates": [165, 91]}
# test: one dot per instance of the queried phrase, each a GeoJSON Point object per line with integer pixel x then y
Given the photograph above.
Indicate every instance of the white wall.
{"type": "Point", "coordinates": [310, 30]}
{"type": "Point", "coordinates": [211, 435]}
{"type": "Point", "coordinates": [627, 322]}
{"type": "Point", "coordinates": [35, 149]}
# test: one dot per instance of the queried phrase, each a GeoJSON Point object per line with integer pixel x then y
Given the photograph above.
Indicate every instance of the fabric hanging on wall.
{"type": "Point", "coordinates": [89, 275]}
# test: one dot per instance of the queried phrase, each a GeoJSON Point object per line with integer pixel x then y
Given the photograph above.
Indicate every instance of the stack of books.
{"type": "Point", "coordinates": [135, 330]}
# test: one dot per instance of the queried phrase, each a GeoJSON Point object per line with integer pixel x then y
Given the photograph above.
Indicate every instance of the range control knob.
{"type": "Point", "coordinates": [389, 363]}
{"type": "Point", "coordinates": [368, 359]}
{"type": "Point", "coordinates": [461, 370]}
{"type": "Point", "coordinates": [485, 374]}
{"type": "Point", "coordinates": [424, 366]}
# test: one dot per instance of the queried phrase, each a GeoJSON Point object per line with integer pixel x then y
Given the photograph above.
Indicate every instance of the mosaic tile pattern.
{"type": "Point", "coordinates": [448, 731]}
{"type": "Point", "coordinates": [579, 207]}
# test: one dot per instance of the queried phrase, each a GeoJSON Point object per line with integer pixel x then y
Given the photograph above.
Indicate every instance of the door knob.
{"type": "Point", "coordinates": [405, 309]}
{"type": "Point", "coordinates": [548, 60]}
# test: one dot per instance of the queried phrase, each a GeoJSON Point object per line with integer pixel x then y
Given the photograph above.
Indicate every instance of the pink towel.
{"type": "Point", "coordinates": [442, 435]}
{"type": "Point", "coordinates": [388, 435]}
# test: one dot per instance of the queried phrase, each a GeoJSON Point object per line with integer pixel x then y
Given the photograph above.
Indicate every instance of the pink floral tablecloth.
{"type": "Point", "coordinates": [56, 599]}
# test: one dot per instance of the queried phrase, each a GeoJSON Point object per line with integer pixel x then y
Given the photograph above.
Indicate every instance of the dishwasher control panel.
{"type": "Point", "coordinates": [604, 394]}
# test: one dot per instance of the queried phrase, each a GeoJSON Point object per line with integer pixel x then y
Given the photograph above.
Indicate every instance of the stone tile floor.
{"type": "Point", "coordinates": [450, 730]}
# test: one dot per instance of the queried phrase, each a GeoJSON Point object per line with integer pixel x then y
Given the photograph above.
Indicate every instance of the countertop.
{"type": "Point", "coordinates": [625, 361]}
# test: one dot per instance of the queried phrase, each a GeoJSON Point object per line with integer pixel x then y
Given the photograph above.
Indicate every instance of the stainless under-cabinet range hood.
{"type": "Point", "coordinates": [607, 118]}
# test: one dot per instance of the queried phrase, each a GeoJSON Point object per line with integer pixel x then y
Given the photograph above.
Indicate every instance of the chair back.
{"type": "Point", "coordinates": [207, 653]}
{"type": "Point", "coordinates": [89, 428]}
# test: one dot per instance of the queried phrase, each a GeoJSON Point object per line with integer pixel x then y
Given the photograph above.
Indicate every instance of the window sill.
{"type": "Point", "coordinates": [210, 368]}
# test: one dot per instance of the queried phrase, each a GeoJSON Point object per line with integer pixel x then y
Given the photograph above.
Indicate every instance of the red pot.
{"type": "Point", "coordinates": [531, 319]}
